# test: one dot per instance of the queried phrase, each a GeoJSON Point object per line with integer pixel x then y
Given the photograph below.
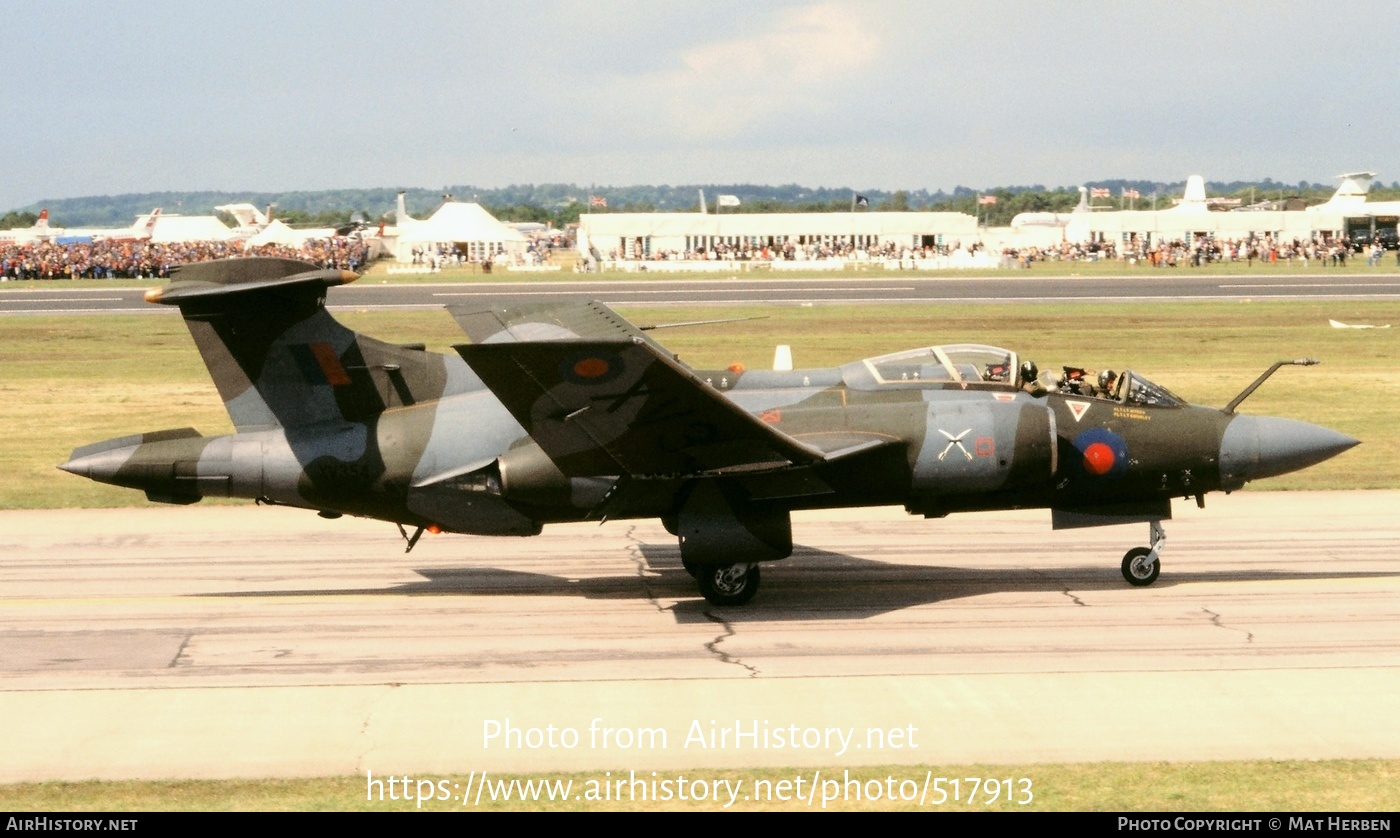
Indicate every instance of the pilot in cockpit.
{"type": "Point", "coordinates": [1030, 379]}
{"type": "Point", "coordinates": [1108, 381]}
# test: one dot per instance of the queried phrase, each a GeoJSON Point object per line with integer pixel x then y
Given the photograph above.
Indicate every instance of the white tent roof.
{"type": "Point", "coordinates": [276, 232]}
{"type": "Point", "coordinates": [458, 222]}
{"type": "Point", "coordinates": [190, 228]}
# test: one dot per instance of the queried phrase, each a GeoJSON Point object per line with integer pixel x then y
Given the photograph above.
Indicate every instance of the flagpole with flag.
{"type": "Point", "coordinates": [985, 200]}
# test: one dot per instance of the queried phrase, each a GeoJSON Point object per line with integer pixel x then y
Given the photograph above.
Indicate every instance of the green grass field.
{"type": "Point", "coordinates": [69, 381]}
{"type": "Point", "coordinates": [1257, 786]}
{"type": "Point", "coordinates": [379, 272]}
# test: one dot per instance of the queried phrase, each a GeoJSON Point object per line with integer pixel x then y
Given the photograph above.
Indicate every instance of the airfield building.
{"type": "Point", "coordinates": [667, 236]}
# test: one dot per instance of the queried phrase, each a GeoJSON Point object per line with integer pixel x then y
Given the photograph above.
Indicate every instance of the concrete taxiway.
{"type": "Point", "coordinates": [239, 641]}
{"type": "Point", "coordinates": [875, 287]}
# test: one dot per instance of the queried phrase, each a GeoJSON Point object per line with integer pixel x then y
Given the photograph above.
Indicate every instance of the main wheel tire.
{"type": "Point", "coordinates": [692, 568]}
{"type": "Point", "coordinates": [728, 584]}
{"type": "Point", "coordinates": [1136, 570]}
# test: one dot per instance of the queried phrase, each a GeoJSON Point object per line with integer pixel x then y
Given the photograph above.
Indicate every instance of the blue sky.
{"type": "Point", "coordinates": [108, 97]}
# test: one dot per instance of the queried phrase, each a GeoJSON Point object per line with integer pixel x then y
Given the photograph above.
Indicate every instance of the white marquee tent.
{"type": "Point", "coordinates": [464, 227]}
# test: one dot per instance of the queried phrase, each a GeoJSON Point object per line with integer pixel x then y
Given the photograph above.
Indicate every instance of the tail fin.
{"type": "Point", "coordinates": [246, 214]}
{"type": "Point", "coordinates": [43, 222]}
{"type": "Point", "coordinates": [144, 226]}
{"type": "Point", "coordinates": [277, 356]}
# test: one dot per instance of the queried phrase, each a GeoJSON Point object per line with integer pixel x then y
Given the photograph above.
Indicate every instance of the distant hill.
{"type": "Point", "coordinates": [561, 203]}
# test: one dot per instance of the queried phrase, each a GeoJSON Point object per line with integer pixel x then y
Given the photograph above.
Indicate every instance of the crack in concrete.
{"type": "Point", "coordinates": [634, 550]}
{"type": "Point", "coordinates": [713, 645]}
{"type": "Point", "coordinates": [175, 661]}
{"type": "Point", "coordinates": [370, 747]}
{"type": "Point", "coordinates": [1216, 621]}
{"type": "Point", "coordinates": [1074, 598]}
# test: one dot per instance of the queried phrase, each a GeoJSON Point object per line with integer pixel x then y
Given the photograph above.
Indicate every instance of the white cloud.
{"type": "Point", "coordinates": [792, 64]}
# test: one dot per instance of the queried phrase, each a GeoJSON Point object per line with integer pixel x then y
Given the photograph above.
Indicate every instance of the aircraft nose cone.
{"type": "Point", "coordinates": [1254, 447]}
{"type": "Point", "coordinates": [102, 466]}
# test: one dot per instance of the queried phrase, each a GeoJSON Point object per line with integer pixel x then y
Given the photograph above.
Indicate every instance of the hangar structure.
{"type": "Point", "coordinates": [1364, 220]}
{"type": "Point", "coordinates": [660, 240]}
{"type": "Point", "coordinates": [1193, 218]}
{"type": "Point", "coordinates": [647, 235]}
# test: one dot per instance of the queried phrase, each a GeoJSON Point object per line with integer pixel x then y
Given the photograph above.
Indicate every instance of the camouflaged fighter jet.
{"type": "Point", "coordinates": [567, 412]}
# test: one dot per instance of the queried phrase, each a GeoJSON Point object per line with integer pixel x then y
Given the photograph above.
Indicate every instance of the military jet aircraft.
{"type": "Point", "coordinates": [567, 412]}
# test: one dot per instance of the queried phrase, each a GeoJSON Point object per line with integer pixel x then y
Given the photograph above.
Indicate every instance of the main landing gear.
{"type": "Point", "coordinates": [726, 584]}
{"type": "Point", "coordinates": [1142, 565]}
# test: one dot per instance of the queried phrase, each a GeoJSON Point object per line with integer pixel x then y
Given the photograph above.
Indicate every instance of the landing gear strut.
{"type": "Point", "coordinates": [1141, 565]}
{"type": "Point", "coordinates": [727, 584]}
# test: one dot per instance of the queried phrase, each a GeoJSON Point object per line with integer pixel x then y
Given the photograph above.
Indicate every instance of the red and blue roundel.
{"type": "Point", "coordinates": [1104, 453]}
{"type": "Point", "coordinates": [589, 368]}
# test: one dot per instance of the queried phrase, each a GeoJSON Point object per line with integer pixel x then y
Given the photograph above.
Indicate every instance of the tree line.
{"type": "Point", "coordinates": [559, 204]}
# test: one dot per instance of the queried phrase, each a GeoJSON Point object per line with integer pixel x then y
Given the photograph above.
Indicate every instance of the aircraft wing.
{"type": "Point", "coordinates": [626, 407]}
{"type": "Point", "coordinates": [511, 321]}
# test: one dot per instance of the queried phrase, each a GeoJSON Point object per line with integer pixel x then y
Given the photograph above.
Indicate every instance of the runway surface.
{"type": "Point", "coordinates": [754, 289]}
{"type": "Point", "coordinates": [240, 641]}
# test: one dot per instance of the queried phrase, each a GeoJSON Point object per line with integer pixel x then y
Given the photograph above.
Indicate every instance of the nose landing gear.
{"type": "Point", "coordinates": [1142, 565]}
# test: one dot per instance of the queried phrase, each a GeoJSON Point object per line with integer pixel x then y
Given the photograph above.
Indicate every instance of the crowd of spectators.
{"type": "Point", "coordinates": [1325, 251]}
{"type": "Point", "coordinates": [538, 251]}
{"type": "Point", "coordinates": [1263, 249]}
{"type": "Point", "coordinates": [793, 252]}
{"type": "Point", "coordinates": [1200, 252]}
{"type": "Point", "coordinates": [112, 259]}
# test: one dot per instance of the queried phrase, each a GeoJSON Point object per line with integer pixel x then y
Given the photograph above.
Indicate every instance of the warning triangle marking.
{"type": "Point", "coordinates": [1077, 408]}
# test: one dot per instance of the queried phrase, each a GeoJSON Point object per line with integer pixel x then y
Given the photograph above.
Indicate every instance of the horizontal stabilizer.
{"type": "Point", "coordinates": [225, 277]}
{"type": "Point", "coordinates": [623, 407]}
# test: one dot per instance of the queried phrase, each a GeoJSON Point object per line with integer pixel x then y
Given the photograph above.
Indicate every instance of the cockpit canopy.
{"type": "Point", "coordinates": [1134, 389]}
{"type": "Point", "coordinates": [987, 367]}
{"type": "Point", "coordinates": [955, 363]}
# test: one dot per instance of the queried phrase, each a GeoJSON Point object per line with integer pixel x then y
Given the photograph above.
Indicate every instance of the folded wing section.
{"type": "Point", "coordinates": [513, 321]}
{"type": "Point", "coordinates": [624, 407]}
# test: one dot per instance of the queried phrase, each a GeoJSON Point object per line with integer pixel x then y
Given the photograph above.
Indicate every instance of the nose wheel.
{"type": "Point", "coordinates": [1142, 565]}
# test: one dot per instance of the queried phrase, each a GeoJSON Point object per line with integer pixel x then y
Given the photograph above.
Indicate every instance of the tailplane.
{"type": "Point", "coordinates": [279, 359]}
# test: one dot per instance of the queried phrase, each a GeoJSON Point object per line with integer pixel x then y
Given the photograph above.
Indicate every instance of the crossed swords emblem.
{"type": "Point", "coordinates": [952, 441]}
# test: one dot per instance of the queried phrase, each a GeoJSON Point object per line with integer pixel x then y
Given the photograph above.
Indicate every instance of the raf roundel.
{"type": "Point", "coordinates": [1104, 453]}
{"type": "Point", "coordinates": [591, 368]}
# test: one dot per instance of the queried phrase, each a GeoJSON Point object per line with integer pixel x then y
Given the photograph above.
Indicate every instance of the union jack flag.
{"type": "Point", "coordinates": [597, 201]}
{"type": "Point", "coordinates": [1096, 192]}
